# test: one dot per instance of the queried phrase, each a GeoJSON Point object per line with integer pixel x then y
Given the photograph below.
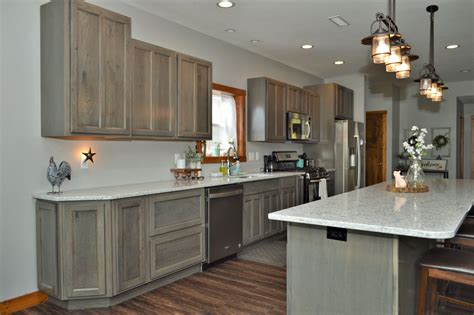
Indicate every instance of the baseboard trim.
{"type": "Point", "coordinates": [22, 302]}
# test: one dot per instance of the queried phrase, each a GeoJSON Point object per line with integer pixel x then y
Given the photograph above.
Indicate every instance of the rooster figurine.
{"type": "Point", "coordinates": [56, 176]}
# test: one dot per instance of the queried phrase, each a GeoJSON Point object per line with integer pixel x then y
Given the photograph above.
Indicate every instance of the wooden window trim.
{"type": "Point", "coordinates": [239, 96]}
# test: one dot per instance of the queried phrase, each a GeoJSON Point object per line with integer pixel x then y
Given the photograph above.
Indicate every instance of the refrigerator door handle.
{"type": "Point", "coordinates": [357, 138]}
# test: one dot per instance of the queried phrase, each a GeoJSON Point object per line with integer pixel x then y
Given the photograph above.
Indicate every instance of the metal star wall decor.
{"type": "Point", "coordinates": [89, 156]}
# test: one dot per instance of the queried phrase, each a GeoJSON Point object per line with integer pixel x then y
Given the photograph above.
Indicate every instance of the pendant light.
{"type": "Point", "coordinates": [388, 45]}
{"type": "Point", "coordinates": [430, 84]}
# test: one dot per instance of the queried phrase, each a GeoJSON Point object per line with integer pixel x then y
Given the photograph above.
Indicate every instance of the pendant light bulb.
{"type": "Point", "coordinates": [404, 69]}
{"type": "Point", "coordinates": [394, 59]}
{"type": "Point", "coordinates": [425, 85]}
{"type": "Point", "coordinates": [380, 48]}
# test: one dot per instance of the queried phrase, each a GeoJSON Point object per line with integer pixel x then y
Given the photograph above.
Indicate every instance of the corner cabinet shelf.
{"type": "Point", "coordinates": [97, 82]}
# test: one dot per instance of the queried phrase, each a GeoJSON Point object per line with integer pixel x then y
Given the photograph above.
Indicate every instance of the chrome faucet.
{"type": "Point", "coordinates": [235, 156]}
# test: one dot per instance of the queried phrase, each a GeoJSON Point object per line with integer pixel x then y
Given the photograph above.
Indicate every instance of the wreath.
{"type": "Point", "coordinates": [440, 141]}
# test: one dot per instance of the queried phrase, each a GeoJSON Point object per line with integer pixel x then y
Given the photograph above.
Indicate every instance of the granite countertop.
{"type": "Point", "coordinates": [142, 189]}
{"type": "Point", "coordinates": [436, 214]}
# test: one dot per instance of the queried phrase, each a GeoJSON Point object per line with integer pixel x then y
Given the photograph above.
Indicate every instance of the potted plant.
{"type": "Point", "coordinates": [216, 151]}
{"type": "Point", "coordinates": [416, 148]}
{"type": "Point", "coordinates": [192, 157]}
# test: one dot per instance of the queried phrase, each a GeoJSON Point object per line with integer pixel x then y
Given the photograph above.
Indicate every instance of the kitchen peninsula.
{"type": "Point", "coordinates": [356, 253]}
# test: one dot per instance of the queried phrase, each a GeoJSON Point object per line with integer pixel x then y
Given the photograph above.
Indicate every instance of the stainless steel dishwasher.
{"type": "Point", "coordinates": [224, 221]}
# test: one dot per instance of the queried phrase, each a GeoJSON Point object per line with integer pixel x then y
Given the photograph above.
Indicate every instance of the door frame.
{"type": "Point", "coordinates": [384, 127]}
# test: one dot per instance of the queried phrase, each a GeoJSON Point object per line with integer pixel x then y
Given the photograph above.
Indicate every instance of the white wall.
{"type": "Point", "coordinates": [416, 110]}
{"type": "Point", "coordinates": [356, 82]}
{"type": "Point", "coordinates": [468, 112]}
{"type": "Point", "coordinates": [25, 153]}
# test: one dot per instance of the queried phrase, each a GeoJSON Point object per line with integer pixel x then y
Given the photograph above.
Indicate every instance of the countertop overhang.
{"type": "Point", "coordinates": [151, 188]}
{"type": "Point", "coordinates": [436, 214]}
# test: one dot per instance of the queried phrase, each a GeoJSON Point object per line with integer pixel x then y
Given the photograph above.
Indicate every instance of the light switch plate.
{"type": "Point", "coordinates": [251, 156]}
{"type": "Point", "coordinates": [257, 156]}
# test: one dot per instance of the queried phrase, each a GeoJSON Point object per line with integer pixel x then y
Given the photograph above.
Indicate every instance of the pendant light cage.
{"type": "Point", "coordinates": [387, 45]}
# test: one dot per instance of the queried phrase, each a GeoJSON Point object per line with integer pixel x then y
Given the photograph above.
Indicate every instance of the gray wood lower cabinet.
{"type": "Point", "coordinates": [97, 250]}
{"type": "Point", "coordinates": [85, 249]}
{"type": "Point", "coordinates": [176, 250]}
{"type": "Point", "coordinates": [260, 199]}
{"type": "Point", "coordinates": [129, 242]}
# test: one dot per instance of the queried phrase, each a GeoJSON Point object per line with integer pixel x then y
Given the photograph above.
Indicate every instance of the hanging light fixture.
{"type": "Point", "coordinates": [388, 47]}
{"type": "Point", "coordinates": [430, 84]}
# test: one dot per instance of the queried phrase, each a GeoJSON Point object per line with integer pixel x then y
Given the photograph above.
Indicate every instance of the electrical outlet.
{"type": "Point", "coordinates": [251, 156]}
{"type": "Point", "coordinates": [257, 156]}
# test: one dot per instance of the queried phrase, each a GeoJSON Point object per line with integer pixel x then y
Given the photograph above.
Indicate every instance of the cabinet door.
{"type": "Point", "coordinates": [100, 70]}
{"type": "Point", "coordinates": [288, 199]}
{"type": "Point", "coordinates": [314, 112]}
{"type": "Point", "coordinates": [339, 103]}
{"type": "Point", "coordinates": [304, 104]}
{"type": "Point", "coordinates": [173, 251]}
{"type": "Point", "coordinates": [194, 98]}
{"type": "Point", "coordinates": [252, 218]}
{"type": "Point", "coordinates": [293, 99]}
{"type": "Point", "coordinates": [348, 103]}
{"type": "Point", "coordinates": [276, 115]}
{"type": "Point", "coordinates": [176, 211]}
{"type": "Point", "coordinates": [153, 90]}
{"type": "Point", "coordinates": [46, 247]}
{"type": "Point", "coordinates": [128, 235]}
{"type": "Point", "coordinates": [270, 203]}
{"type": "Point", "coordinates": [84, 248]}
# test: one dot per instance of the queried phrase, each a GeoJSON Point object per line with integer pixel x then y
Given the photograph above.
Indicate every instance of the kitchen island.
{"type": "Point", "coordinates": [356, 253]}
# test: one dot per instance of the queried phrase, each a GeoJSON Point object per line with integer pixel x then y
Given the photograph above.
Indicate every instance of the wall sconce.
{"type": "Point", "coordinates": [87, 156]}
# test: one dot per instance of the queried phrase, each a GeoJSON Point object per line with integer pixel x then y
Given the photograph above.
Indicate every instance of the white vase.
{"type": "Point", "coordinates": [192, 164]}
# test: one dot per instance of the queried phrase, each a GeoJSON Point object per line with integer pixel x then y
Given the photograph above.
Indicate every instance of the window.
{"type": "Point", "coordinates": [228, 124]}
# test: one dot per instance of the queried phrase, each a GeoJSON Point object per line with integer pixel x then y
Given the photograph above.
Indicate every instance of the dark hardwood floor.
{"type": "Point", "coordinates": [233, 287]}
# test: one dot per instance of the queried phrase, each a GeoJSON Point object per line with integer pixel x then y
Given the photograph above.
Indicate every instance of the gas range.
{"type": "Point", "coordinates": [285, 161]}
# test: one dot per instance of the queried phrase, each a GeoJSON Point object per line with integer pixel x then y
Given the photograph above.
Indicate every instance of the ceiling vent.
{"type": "Point", "coordinates": [338, 20]}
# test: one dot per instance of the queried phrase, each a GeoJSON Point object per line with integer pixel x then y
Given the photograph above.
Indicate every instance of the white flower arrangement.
{"type": "Point", "coordinates": [415, 145]}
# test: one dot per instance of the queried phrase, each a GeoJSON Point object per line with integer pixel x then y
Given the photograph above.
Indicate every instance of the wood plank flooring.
{"type": "Point", "coordinates": [233, 287]}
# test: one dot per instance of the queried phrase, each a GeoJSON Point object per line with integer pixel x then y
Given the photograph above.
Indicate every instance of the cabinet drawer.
{"type": "Point", "coordinates": [288, 182]}
{"type": "Point", "coordinates": [175, 211]}
{"type": "Point", "coordinates": [176, 250]}
{"type": "Point", "coordinates": [261, 186]}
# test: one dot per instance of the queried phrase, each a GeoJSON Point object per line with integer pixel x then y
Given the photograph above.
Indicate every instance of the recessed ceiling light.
{"type": "Point", "coordinates": [225, 4]}
{"type": "Point", "coordinates": [465, 70]}
{"type": "Point", "coordinates": [230, 30]}
{"type": "Point", "coordinates": [338, 62]}
{"type": "Point", "coordinates": [338, 20]}
{"type": "Point", "coordinates": [307, 46]}
{"type": "Point", "coordinates": [255, 41]}
{"type": "Point", "coordinates": [454, 46]}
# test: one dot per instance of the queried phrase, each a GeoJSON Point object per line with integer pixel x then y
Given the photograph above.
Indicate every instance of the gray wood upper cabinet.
{"type": "Point", "coordinates": [344, 103]}
{"type": "Point", "coordinates": [194, 98]}
{"type": "Point", "coordinates": [314, 112]}
{"type": "Point", "coordinates": [267, 110]}
{"type": "Point", "coordinates": [297, 100]}
{"type": "Point", "coordinates": [85, 72]}
{"type": "Point", "coordinates": [153, 90]}
{"type": "Point", "coordinates": [46, 248]}
{"type": "Point", "coordinates": [129, 243]}
{"type": "Point", "coordinates": [85, 240]}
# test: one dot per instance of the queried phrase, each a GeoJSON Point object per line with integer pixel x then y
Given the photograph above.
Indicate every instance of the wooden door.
{"type": "Point", "coordinates": [270, 203]}
{"type": "Point", "coordinates": [472, 147]}
{"type": "Point", "coordinates": [276, 115]}
{"type": "Point", "coordinates": [314, 113]}
{"type": "Point", "coordinates": [100, 70]}
{"type": "Point", "coordinates": [154, 90]}
{"type": "Point", "coordinates": [84, 248]}
{"type": "Point", "coordinates": [252, 218]}
{"type": "Point", "coordinates": [461, 146]}
{"type": "Point", "coordinates": [194, 98]}
{"type": "Point", "coordinates": [376, 126]}
{"type": "Point", "coordinates": [129, 243]}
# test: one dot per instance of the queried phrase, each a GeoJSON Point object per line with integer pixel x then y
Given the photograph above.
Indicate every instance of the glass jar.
{"type": "Point", "coordinates": [415, 175]}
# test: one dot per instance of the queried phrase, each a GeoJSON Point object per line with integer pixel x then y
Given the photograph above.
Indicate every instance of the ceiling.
{"type": "Point", "coordinates": [284, 25]}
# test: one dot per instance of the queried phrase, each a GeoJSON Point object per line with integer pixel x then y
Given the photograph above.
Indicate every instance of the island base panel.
{"type": "Point", "coordinates": [370, 273]}
{"type": "Point", "coordinates": [96, 302]}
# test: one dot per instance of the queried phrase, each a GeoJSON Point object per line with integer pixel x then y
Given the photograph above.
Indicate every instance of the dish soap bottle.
{"type": "Point", "coordinates": [223, 168]}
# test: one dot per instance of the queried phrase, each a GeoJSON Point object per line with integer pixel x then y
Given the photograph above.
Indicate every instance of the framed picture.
{"type": "Point", "coordinates": [434, 165]}
{"type": "Point", "coordinates": [441, 139]}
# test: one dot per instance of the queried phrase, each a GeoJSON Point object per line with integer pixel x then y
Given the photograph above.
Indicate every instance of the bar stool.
{"type": "Point", "coordinates": [464, 237]}
{"type": "Point", "coordinates": [448, 265]}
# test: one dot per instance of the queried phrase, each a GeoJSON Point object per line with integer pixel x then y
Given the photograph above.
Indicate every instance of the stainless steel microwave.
{"type": "Point", "coordinates": [299, 126]}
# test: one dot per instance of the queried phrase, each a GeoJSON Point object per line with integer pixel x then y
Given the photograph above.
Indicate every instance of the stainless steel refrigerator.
{"type": "Point", "coordinates": [349, 151]}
